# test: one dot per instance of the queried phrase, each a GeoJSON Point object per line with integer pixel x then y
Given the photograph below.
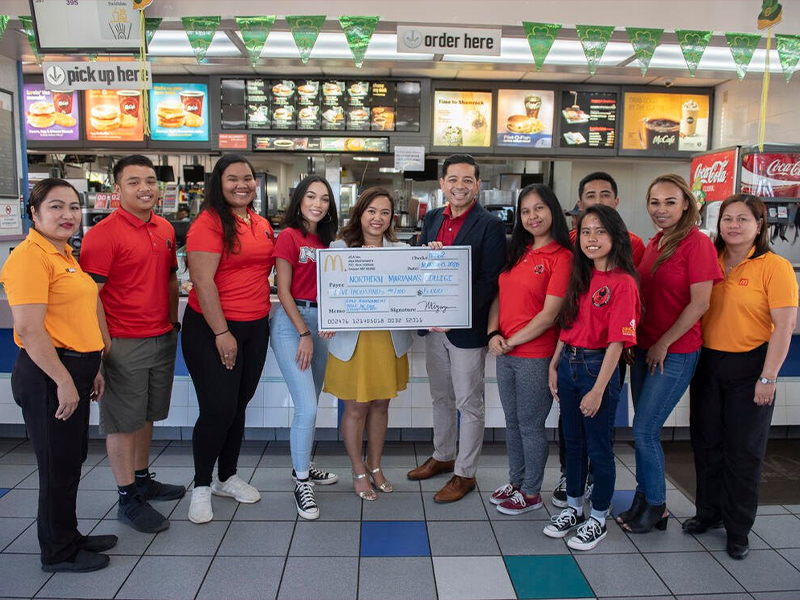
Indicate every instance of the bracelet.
{"type": "Point", "coordinates": [222, 333]}
{"type": "Point", "coordinates": [305, 333]}
{"type": "Point", "coordinates": [494, 333]}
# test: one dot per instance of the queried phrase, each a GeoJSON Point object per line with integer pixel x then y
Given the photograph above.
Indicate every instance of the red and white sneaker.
{"type": "Point", "coordinates": [520, 503]}
{"type": "Point", "coordinates": [503, 493]}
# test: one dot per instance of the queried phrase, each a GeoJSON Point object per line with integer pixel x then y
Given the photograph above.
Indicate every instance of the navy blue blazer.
{"type": "Point", "coordinates": [486, 234]}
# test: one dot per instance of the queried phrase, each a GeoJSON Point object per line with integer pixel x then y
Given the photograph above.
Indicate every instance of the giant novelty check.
{"type": "Point", "coordinates": [394, 288]}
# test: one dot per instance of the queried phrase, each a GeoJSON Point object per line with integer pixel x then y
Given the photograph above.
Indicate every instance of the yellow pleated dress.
{"type": "Point", "coordinates": [372, 373]}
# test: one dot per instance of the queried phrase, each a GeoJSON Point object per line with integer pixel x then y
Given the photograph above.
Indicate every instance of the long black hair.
{"type": "Point", "coordinates": [352, 234]}
{"type": "Point", "coordinates": [327, 227]}
{"type": "Point", "coordinates": [215, 200]}
{"type": "Point", "coordinates": [620, 257]}
{"type": "Point", "coordinates": [522, 238]}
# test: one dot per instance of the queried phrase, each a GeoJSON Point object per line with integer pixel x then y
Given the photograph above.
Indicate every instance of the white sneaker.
{"type": "Point", "coordinates": [200, 509]}
{"type": "Point", "coordinates": [237, 488]}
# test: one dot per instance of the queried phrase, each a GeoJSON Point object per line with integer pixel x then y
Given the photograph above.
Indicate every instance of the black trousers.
{"type": "Point", "coordinates": [222, 395]}
{"type": "Point", "coordinates": [729, 436]}
{"type": "Point", "coordinates": [60, 447]}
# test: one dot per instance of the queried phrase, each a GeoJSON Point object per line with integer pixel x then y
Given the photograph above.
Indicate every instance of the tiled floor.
{"type": "Point", "coordinates": [402, 546]}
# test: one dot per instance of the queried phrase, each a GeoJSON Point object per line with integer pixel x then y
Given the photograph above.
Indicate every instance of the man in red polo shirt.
{"type": "Point", "coordinates": [131, 255]}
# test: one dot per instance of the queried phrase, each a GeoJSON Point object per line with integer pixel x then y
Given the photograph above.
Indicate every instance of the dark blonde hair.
{"type": "Point", "coordinates": [759, 210]}
{"type": "Point", "coordinates": [686, 223]}
{"type": "Point", "coordinates": [352, 233]}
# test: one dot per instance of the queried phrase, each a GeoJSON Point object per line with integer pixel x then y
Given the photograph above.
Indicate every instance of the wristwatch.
{"type": "Point", "coordinates": [176, 326]}
{"type": "Point", "coordinates": [767, 381]}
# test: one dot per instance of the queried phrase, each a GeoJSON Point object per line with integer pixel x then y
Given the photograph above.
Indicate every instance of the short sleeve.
{"type": "Point", "coordinates": [26, 279]}
{"type": "Point", "coordinates": [702, 262]}
{"type": "Point", "coordinates": [559, 279]}
{"type": "Point", "coordinates": [205, 234]}
{"type": "Point", "coordinates": [287, 247]}
{"type": "Point", "coordinates": [97, 254]}
{"type": "Point", "coordinates": [625, 312]}
{"type": "Point", "coordinates": [780, 283]}
{"type": "Point", "coordinates": [638, 249]}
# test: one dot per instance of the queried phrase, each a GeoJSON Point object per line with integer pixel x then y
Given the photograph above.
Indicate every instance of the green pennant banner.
{"type": "Point", "coordinates": [540, 38]}
{"type": "Point", "coordinates": [742, 46]}
{"type": "Point", "coordinates": [27, 27]}
{"type": "Point", "coordinates": [151, 25]}
{"type": "Point", "coordinates": [644, 42]}
{"type": "Point", "coordinates": [594, 39]}
{"type": "Point", "coordinates": [200, 31]}
{"type": "Point", "coordinates": [254, 34]}
{"type": "Point", "coordinates": [358, 31]}
{"type": "Point", "coordinates": [305, 31]}
{"type": "Point", "coordinates": [788, 52]}
{"type": "Point", "coordinates": [3, 24]}
{"type": "Point", "coordinates": [693, 43]}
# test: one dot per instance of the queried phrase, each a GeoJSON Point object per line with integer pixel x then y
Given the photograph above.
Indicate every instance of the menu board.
{"type": "Point", "coordinates": [308, 98]}
{"type": "Point", "coordinates": [8, 150]}
{"type": "Point", "coordinates": [262, 143]}
{"type": "Point", "coordinates": [525, 118]}
{"type": "Point", "coordinates": [333, 106]}
{"type": "Point", "coordinates": [381, 95]}
{"type": "Point", "coordinates": [462, 118]}
{"type": "Point", "coordinates": [358, 107]}
{"type": "Point", "coordinates": [50, 115]}
{"type": "Point", "coordinates": [113, 115]}
{"type": "Point", "coordinates": [588, 119]}
{"type": "Point", "coordinates": [233, 103]}
{"type": "Point", "coordinates": [665, 123]}
{"type": "Point", "coordinates": [284, 110]}
{"type": "Point", "coordinates": [179, 112]}
{"type": "Point", "coordinates": [257, 106]}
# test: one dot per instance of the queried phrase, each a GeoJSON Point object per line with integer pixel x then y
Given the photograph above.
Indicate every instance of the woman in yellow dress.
{"type": "Point", "coordinates": [368, 368]}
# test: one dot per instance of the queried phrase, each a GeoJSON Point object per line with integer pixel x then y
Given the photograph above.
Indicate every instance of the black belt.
{"type": "Point", "coordinates": [574, 350]}
{"type": "Point", "coordinates": [74, 354]}
{"type": "Point", "coordinates": [306, 303]}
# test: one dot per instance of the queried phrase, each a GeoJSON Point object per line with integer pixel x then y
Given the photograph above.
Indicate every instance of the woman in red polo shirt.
{"type": "Point", "coordinates": [523, 336]}
{"type": "Point", "coordinates": [676, 274]}
{"type": "Point", "coordinates": [225, 327]}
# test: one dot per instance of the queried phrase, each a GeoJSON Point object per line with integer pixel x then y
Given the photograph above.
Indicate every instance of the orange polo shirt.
{"type": "Point", "coordinates": [738, 319]}
{"type": "Point", "coordinates": [37, 273]}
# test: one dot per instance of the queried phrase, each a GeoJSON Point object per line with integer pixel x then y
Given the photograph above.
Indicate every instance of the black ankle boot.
{"type": "Point", "coordinates": [637, 506]}
{"type": "Point", "coordinates": [651, 516]}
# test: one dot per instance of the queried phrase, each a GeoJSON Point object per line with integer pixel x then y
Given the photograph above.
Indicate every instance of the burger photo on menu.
{"type": "Point", "coordinates": [50, 114]}
{"type": "Point", "coordinates": [179, 111]}
{"type": "Point", "coordinates": [525, 118]}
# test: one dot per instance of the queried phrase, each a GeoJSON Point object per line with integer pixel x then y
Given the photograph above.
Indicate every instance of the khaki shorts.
{"type": "Point", "coordinates": [139, 373]}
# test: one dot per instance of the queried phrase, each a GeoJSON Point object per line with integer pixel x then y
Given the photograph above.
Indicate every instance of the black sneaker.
{"type": "Point", "coordinates": [305, 501]}
{"type": "Point", "coordinates": [84, 562]}
{"type": "Point", "coordinates": [97, 543]}
{"type": "Point", "coordinates": [318, 476]}
{"type": "Point", "coordinates": [150, 489]}
{"type": "Point", "coordinates": [562, 524]}
{"type": "Point", "coordinates": [138, 513]}
{"type": "Point", "coordinates": [559, 498]}
{"type": "Point", "coordinates": [588, 535]}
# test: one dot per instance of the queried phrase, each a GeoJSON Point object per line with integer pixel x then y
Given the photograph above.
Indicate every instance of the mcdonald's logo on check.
{"type": "Point", "coordinates": [334, 261]}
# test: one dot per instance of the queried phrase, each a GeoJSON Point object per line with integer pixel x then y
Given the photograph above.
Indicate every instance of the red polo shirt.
{"type": "Point", "coordinates": [667, 292]}
{"type": "Point", "coordinates": [451, 225]}
{"type": "Point", "coordinates": [242, 278]}
{"type": "Point", "coordinates": [636, 243]}
{"type": "Point", "coordinates": [301, 253]}
{"type": "Point", "coordinates": [133, 259]}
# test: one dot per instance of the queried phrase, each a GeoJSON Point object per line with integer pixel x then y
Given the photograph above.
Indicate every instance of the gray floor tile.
{"type": "Point", "coordinates": [274, 506]}
{"type": "Point", "coordinates": [131, 542]}
{"type": "Point", "coordinates": [11, 475]}
{"type": "Point", "coordinates": [319, 578]}
{"type": "Point", "coordinates": [693, 573]}
{"type": "Point", "coordinates": [397, 506]}
{"type": "Point", "coordinates": [396, 475]}
{"type": "Point", "coordinates": [762, 571]}
{"type": "Point", "coordinates": [434, 484]}
{"type": "Point", "coordinates": [779, 531]}
{"type": "Point", "coordinates": [184, 538]}
{"type": "Point", "coordinates": [679, 505]}
{"type": "Point", "coordinates": [21, 455]}
{"type": "Point", "coordinates": [278, 461]}
{"type": "Point", "coordinates": [396, 578]}
{"type": "Point", "coordinates": [615, 542]}
{"type": "Point", "coordinates": [224, 508]}
{"type": "Point", "coordinates": [248, 538]}
{"type": "Point", "coordinates": [739, 596]}
{"type": "Point", "coordinates": [526, 538]}
{"type": "Point", "coordinates": [338, 507]}
{"type": "Point", "coordinates": [398, 456]}
{"type": "Point", "coordinates": [31, 482]}
{"type": "Point", "coordinates": [165, 578]}
{"type": "Point", "coordinates": [326, 539]}
{"type": "Point", "coordinates": [273, 480]}
{"type": "Point", "coordinates": [19, 503]}
{"type": "Point", "coordinates": [242, 578]}
{"type": "Point", "coordinates": [793, 508]}
{"type": "Point", "coordinates": [94, 504]}
{"type": "Point", "coordinates": [671, 540]}
{"type": "Point", "coordinates": [28, 542]}
{"type": "Point", "coordinates": [792, 555]}
{"type": "Point", "coordinates": [602, 572]}
{"type": "Point", "coordinates": [250, 454]}
{"type": "Point", "coordinates": [467, 577]}
{"type": "Point", "coordinates": [173, 456]}
{"type": "Point", "coordinates": [469, 508]}
{"type": "Point", "coordinates": [715, 539]}
{"type": "Point", "coordinates": [491, 478]}
{"type": "Point", "coordinates": [772, 509]}
{"type": "Point", "coordinates": [11, 528]}
{"type": "Point", "coordinates": [21, 575]}
{"type": "Point", "coordinates": [775, 595]}
{"type": "Point", "coordinates": [101, 477]}
{"type": "Point", "coordinates": [100, 584]}
{"type": "Point", "coordinates": [462, 538]}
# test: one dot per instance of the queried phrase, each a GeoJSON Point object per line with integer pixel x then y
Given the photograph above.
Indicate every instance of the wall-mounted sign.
{"type": "Point", "coordinates": [179, 112]}
{"type": "Point", "coordinates": [263, 143]}
{"type": "Point", "coordinates": [462, 119]}
{"type": "Point", "coordinates": [588, 119]}
{"type": "Point", "coordinates": [525, 118]}
{"type": "Point", "coordinates": [115, 75]}
{"type": "Point", "coordinates": [233, 141]}
{"type": "Point", "coordinates": [665, 123]}
{"type": "Point", "coordinates": [714, 175]}
{"type": "Point", "coordinates": [409, 158]}
{"type": "Point", "coordinates": [106, 200]}
{"type": "Point", "coordinates": [455, 40]}
{"type": "Point", "coordinates": [113, 116]}
{"type": "Point", "coordinates": [50, 115]}
{"type": "Point", "coordinates": [96, 25]}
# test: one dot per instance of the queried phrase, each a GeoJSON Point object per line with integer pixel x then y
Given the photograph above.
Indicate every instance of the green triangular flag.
{"type": "Point", "coordinates": [151, 25]}
{"type": "Point", "coordinates": [594, 39]}
{"type": "Point", "coordinates": [305, 31]}
{"type": "Point", "coordinates": [644, 42]}
{"type": "Point", "coordinates": [742, 46]}
{"type": "Point", "coordinates": [27, 27]}
{"type": "Point", "coordinates": [693, 43]}
{"type": "Point", "coordinates": [358, 31]}
{"type": "Point", "coordinates": [200, 31]}
{"type": "Point", "coordinates": [254, 34]}
{"type": "Point", "coordinates": [788, 53]}
{"type": "Point", "coordinates": [3, 24]}
{"type": "Point", "coordinates": [540, 38]}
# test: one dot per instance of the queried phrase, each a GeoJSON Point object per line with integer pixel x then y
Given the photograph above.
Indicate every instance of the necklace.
{"type": "Point", "coordinates": [245, 218]}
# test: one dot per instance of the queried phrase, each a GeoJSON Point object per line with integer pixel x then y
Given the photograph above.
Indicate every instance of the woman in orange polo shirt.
{"type": "Point", "coordinates": [55, 307]}
{"type": "Point", "coordinates": [523, 335]}
{"type": "Point", "coordinates": [225, 327]}
{"type": "Point", "coordinates": [746, 335]}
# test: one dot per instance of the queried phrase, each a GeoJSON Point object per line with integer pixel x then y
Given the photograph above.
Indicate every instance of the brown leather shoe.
{"type": "Point", "coordinates": [455, 489]}
{"type": "Point", "coordinates": [430, 468]}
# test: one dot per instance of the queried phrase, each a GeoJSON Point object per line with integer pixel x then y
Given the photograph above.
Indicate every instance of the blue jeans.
{"type": "Point", "coordinates": [654, 397]}
{"type": "Point", "coordinates": [587, 437]}
{"type": "Point", "coordinates": [304, 386]}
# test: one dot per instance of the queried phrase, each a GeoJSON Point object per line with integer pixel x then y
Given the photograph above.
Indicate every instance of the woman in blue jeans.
{"type": "Point", "coordinates": [310, 223]}
{"type": "Point", "coordinates": [676, 274]}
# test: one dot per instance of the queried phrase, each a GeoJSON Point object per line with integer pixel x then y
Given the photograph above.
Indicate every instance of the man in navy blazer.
{"type": "Point", "coordinates": [455, 359]}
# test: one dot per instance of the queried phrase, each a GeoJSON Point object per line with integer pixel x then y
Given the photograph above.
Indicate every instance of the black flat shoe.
{"type": "Point", "coordinates": [84, 562]}
{"type": "Point", "coordinates": [736, 550]}
{"type": "Point", "coordinates": [637, 506]}
{"type": "Point", "coordinates": [698, 525]}
{"type": "Point", "coordinates": [652, 516]}
{"type": "Point", "coordinates": [98, 543]}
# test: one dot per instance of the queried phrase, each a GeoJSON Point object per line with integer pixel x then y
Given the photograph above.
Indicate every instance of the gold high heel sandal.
{"type": "Point", "coordinates": [366, 495]}
{"type": "Point", "coordinates": [385, 487]}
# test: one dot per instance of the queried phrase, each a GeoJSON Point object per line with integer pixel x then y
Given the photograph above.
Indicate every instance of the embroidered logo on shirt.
{"type": "Point", "coordinates": [70, 270]}
{"type": "Point", "coordinates": [307, 254]}
{"type": "Point", "coordinates": [744, 281]}
{"type": "Point", "coordinates": [538, 269]}
{"type": "Point", "coordinates": [169, 244]}
{"type": "Point", "coordinates": [601, 296]}
{"type": "Point", "coordinates": [631, 331]}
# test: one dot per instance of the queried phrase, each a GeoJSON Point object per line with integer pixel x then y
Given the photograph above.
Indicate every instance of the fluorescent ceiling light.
{"type": "Point", "coordinates": [389, 170]}
{"type": "Point", "coordinates": [280, 44]}
{"type": "Point", "coordinates": [563, 52]}
{"type": "Point", "coordinates": [171, 42]}
{"type": "Point", "coordinates": [366, 158]}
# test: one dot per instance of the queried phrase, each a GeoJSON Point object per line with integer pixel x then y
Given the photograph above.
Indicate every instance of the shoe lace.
{"type": "Point", "coordinates": [568, 516]}
{"type": "Point", "coordinates": [505, 490]}
{"type": "Point", "coordinates": [518, 499]}
{"type": "Point", "coordinates": [589, 530]}
{"type": "Point", "coordinates": [316, 472]}
{"type": "Point", "coordinates": [562, 484]}
{"type": "Point", "coordinates": [305, 495]}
